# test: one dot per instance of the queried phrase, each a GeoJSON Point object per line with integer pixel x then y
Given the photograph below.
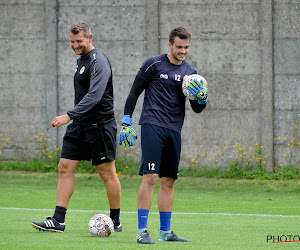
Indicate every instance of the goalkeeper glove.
{"type": "Point", "coordinates": [127, 131]}
{"type": "Point", "coordinates": [199, 90]}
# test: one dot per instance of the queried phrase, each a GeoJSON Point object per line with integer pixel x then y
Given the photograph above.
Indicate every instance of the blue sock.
{"type": "Point", "coordinates": [143, 218]}
{"type": "Point", "coordinates": [165, 221]}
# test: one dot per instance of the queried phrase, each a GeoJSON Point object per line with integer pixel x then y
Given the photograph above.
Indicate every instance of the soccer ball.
{"type": "Point", "coordinates": [101, 225]}
{"type": "Point", "coordinates": [185, 84]}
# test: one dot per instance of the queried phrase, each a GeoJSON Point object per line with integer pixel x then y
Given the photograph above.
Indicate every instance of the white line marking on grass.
{"type": "Point", "coordinates": [128, 212]}
{"type": "Point", "coordinates": [255, 215]}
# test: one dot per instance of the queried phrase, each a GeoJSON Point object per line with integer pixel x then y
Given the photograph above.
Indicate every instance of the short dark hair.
{"type": "Point", "coordinates": [80, 26]}
{"type": "Point", "coordinates": [181, 32]}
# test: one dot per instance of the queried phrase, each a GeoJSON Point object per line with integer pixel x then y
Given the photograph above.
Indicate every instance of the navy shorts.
{"type": "Point", "coordinates": [95, 142]}
{"type": "Point", "coordinates": [161, 149]}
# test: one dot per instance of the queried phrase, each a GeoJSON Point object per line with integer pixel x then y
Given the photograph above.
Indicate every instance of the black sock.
{"type": "Point", "coordinates": [60, 214]}
{"type": "Point", "coordinates": [115, 216]}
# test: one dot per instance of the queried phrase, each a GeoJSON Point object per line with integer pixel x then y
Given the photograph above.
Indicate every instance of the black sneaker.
{"type": "Point", "coordinates": [117, 225]}
{"type": "Point", "coordinates": [50, 224]}
{"type": "Point", "coordinates": [164, 236]}
{"type": "Point", "coordinates": [144, 238]}
{"type": "Point", "coordinates": [118, 228]}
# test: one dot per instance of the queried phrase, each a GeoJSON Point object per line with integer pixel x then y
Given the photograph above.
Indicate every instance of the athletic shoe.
{"type": "Point", "coordinates": [50, 224]}
{"type": "Point", "coordinates": [144, 238]}
{"type": "Point", "coordinates": [118, 228]}
{"type": "Point", "coordinates": [164, 236]}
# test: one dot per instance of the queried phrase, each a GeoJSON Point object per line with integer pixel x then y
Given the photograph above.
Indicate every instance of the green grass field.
{"type": "Point", "coordinates": [212, 213]}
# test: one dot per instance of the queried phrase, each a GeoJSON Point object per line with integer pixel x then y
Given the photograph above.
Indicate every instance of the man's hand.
{"type": "Point", "coordinates": [127, 131]}
{"type": "Point", "coordinates": [60, 120]}
{"type": "Point", "coordinates": [199, 90]}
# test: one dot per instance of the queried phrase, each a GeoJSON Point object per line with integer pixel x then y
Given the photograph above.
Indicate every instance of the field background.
{"type": "Point", "coordinates": [212, 213]}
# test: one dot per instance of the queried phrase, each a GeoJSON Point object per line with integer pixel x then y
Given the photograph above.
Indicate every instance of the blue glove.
{"type": "Point", "coordinates": [199, 90]}
{"type": "Point", "coordinates": [127, 131]}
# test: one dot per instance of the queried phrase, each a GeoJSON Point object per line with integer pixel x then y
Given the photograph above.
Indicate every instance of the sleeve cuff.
{"type": "Point", "coordinates": [70, 115]}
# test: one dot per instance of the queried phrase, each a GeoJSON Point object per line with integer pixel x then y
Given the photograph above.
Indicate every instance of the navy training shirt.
{"type": "Point", "coordinates": [164, 102]}
{"type": "Point", "coordinates": [93, 90]}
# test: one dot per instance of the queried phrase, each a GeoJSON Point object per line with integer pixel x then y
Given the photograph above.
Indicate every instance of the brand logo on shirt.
{"type": "Point", "coordinates": [82, 70]}
{"type": "Point", "coordinates": [164, 76]}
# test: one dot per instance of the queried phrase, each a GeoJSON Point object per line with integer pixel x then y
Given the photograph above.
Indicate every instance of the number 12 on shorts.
{"type": "Point", "coordinates": [151, 166]}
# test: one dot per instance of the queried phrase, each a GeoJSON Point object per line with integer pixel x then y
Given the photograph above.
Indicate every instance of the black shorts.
{"type": "Point", "coordinates": [95, 142]}
{"type": "Point", "coordinates": [161, 148]}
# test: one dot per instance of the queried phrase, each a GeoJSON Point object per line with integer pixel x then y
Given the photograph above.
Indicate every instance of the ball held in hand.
{"type": "Point", "coordinates": [194, 87]}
